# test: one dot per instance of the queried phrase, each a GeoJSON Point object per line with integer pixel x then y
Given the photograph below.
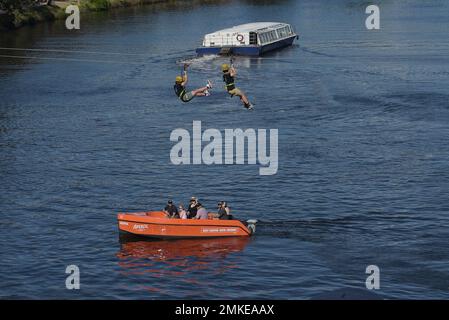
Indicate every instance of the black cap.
{"type": "Point", "coordinates": [170, 202]}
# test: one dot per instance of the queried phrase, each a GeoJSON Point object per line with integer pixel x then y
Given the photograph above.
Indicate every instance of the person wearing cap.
{"type": "Point", "coordinates": [183, 94]}
{"type": "Point", "coordinates": [170, 210]}
{"type": "Point", "coordinates": [193, 208]}
{"type": "Point", "coordinates": [229, 74]}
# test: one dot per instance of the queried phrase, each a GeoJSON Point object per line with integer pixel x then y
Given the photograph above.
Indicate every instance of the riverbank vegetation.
{"type": "Point", "coordinates": [17, 13]}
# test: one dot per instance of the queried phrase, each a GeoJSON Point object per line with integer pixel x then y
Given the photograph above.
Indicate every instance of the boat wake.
{"type": "Point", "coordinates": [317, 228]}
{"type": "Point", "coordinates": [203, 64]}
{"type": "Point", "coordinates": [209, 65]}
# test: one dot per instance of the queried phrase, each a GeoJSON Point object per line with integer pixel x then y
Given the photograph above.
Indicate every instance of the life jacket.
{"type": "Point", "coordinates": [229, 81]}
{"type": "Point", "coordinates": [180, 91]}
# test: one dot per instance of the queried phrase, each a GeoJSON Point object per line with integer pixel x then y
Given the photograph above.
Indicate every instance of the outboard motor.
{"type": "Point", "coordinates": [251, 225]}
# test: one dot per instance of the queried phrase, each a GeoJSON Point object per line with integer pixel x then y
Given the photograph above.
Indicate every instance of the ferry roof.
{"type": "Point", "coordinates": [255, 26]}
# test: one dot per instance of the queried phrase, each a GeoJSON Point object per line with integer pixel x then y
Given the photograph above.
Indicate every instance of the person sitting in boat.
{"type": "Point", "coordinates": [193, 208]}
{"type": "Point", "coordinates": [229, 74]}
{"type": "Point", "coordinates": [183, 94]}
{"type": "Point", "coordinates": [170, 210]}
{"type": "Point", "coordinates": [182, 212]}
{"type": "Point", "coordinates": [224, 212]}
{"type": "Point", "coordinates": [202, 213]}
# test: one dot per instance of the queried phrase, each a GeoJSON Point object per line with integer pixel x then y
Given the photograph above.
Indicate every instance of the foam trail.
{"type": "Point", "coordinates": [194, 61]}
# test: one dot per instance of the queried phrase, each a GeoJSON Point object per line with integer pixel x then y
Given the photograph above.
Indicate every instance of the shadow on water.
{"type": "Point", "coordinates": [30, 37]}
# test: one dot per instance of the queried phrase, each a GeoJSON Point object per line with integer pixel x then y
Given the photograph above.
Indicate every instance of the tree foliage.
{"type": "Point", "coordinates": [11, 5]}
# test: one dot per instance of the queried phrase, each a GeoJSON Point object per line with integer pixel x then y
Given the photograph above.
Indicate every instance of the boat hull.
{"type": "Point", "coordinates": [156, 225]}
{"type": "Point", "coordinates": [247, 50]}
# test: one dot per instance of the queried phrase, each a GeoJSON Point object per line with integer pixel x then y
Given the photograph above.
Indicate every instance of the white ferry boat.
{"type": "Point", "coordinates": [248, 39]}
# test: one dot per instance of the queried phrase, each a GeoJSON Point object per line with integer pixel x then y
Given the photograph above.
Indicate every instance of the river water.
{"type": "Point", "coordinates": [363, 179]}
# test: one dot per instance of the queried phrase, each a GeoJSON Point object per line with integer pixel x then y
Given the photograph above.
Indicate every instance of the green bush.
{"type": "Point", "coordinates": [96, 5]}
{"type": "Point", "coordinates": [11, 5]}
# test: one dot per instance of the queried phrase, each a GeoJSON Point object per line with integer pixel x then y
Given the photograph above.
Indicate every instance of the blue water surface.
{"type": "Point", "coordinates": [363, 179]}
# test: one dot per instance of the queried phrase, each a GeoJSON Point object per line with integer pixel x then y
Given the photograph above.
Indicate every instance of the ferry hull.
{"type": "Point", "coordinates": [156, 225]}
{"type": "Point", "coordinates": [246, 50]}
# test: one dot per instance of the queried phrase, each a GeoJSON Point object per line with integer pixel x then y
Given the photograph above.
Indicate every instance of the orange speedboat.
{"type": "Point", "coordinates": [155, 224]}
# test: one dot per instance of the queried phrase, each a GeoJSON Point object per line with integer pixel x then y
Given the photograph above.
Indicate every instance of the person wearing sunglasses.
{"type": "Point", "coordinates": [224, 212]}
{"type": "Point", "coordinates": [192, 208]}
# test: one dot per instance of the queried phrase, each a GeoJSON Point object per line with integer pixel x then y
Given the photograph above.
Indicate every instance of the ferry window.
{"type": "Point", "coordinates": [281, 33]}
{"type": "Point", "coordinates": [264, 37]}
